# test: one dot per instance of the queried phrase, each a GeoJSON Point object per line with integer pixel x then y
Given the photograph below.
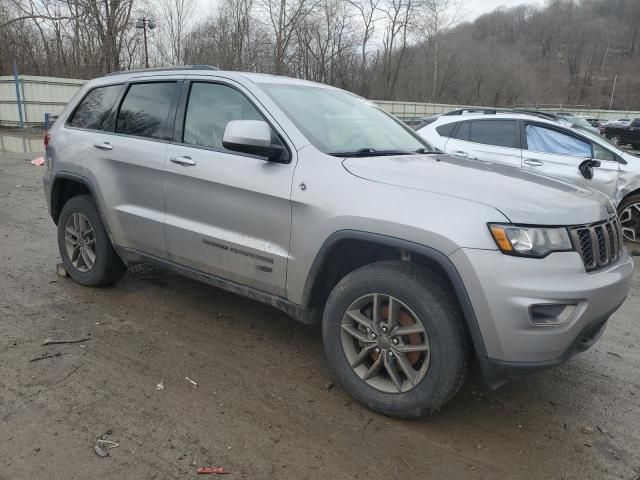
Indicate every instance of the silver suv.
{"type": "Point", "coordinates": [315, 201]}
{"type": "Point", "coordinates": [544, 144]}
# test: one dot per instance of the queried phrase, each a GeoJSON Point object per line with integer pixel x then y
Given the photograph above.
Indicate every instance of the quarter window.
{"type": "Point", "coordinates": [546, 140]}
{"type": "Point", "coordinates": [145, 108]}
{"type": "Point", "coordinates": [446, 130]}
{"type": "Point", "coordinates": [601, 153]}
{"type": "Point", "coordinates": [211, 106]}
{"type": "Point", "coordinates": [499, 133]}
{"type": "Point", "coordinates": [94, 110]}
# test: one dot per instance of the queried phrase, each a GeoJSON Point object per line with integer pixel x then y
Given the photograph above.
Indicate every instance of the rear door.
{"type": "Point", "coordinates": [492, 140]}
{"type": "Point", "coordinates": [126, 165]}
{"type": "Point", "coordinates": [557, 152]}
{"type": "Point", "coordinates": [227, 213]}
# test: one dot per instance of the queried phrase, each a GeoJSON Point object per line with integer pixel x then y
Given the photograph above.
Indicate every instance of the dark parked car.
{"type": "Point", "coordinates": [624, 133]}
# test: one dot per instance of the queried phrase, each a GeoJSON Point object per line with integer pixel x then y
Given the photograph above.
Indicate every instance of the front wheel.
{"type": "Point", "coordinates": [629, 213]}
{"type": "Point", "coordinates": [616, 139]}
{"type": "Point", "coordinates": [394, 336]}
{"type": "Point", "coordinates": [85, 248]}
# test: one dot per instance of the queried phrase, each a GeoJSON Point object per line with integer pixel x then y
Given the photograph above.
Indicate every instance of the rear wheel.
{"type": "Point", "coordinates": [616, 139]}
{"type": "Point", "coordinates": [85, 248]}
{"type": "Point", "coordinates": [629, 213]}
{"type": "Point", "coordinates": [394, 336]}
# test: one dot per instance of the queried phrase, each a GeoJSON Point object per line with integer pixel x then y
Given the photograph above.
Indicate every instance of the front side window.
{"type": "Point", "coordinates": [547, 140]}
{"type": "Point", "coordinates": [145, 108]}
{"type": "Point", "coordinates": [499, 133]}
{"type": "Point", "coordinates": [210, 107]}
{"type": "Point", "coordinates": [342, 124]}
{"type": "Point", "coordinates": [601, 153]}
{"type": "Point", "coordinates": [94, 110]}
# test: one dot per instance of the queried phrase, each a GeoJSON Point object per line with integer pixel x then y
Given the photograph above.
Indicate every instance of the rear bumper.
{"type": "Point", "coordinates": [503, 289]}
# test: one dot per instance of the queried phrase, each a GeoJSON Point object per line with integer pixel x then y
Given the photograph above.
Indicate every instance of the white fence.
{"type": "Point", "coordinates": [40, 95]}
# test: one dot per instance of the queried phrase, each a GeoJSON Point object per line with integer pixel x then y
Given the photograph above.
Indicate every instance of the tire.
{"type": "Point", "coordinates": [107, 266]}
{"type": "Point", "coordinates": [616, 139]}
{"type": "Point", "coordinates": [629, 213]}
{"type": "Point", "coordinates": [429, 298]}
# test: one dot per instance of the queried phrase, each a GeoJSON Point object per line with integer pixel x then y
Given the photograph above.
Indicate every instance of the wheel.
{"type": "Point", "coordinates": [629, 213]}
{"type": "Point", "coordinates": [616, 139]}
{"type": "Point", "coordinates": [85, 248]}
{"type": "Point", "coordinates": [394, 336]}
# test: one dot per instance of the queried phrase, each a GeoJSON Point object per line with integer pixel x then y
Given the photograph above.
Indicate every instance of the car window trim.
{"type": "Point", "coordinates": [67, 123]}
{"type": "Point", "coordinates": [181, 115]}
{"type": "Point", "coordinates": [172, 105]}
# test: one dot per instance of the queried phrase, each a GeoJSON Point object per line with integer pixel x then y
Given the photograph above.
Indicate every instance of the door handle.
{"type": "Point", "coordinates": [533, 163]}
{"type": "Point", "coordinates": [103, 146]}
{"type": "Point", "coordinates": [184, 161]}
{"type": "Point", "coordinates": [460, 153]}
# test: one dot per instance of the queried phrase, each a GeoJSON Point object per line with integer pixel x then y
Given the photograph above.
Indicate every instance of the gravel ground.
{"type": "Point", "coordinates": [264, 406]}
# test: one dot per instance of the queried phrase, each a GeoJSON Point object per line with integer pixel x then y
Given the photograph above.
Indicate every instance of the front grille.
{"type": "Point", "coordinates": [599, 244]}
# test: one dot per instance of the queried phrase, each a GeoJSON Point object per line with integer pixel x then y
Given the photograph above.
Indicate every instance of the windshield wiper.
{"type": "Point", "coordinates": [424, 151]}
{"type": "Point", "coordinates": [370, 152]}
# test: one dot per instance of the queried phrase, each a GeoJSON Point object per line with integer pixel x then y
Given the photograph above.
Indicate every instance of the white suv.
{"type": "Point", "coordinates": [538, 142]}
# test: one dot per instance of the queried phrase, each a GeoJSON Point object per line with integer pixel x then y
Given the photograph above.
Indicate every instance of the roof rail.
{"type": "Point", "coordinates": [485, 110]}
{"type": "Point", "coordinates": [163, 69]}
{"type": "Point", "coordinates": [493, 111]}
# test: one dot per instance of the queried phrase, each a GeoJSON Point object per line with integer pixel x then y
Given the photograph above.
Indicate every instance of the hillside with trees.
{"type": "Point", "coordinates": [567, 52]}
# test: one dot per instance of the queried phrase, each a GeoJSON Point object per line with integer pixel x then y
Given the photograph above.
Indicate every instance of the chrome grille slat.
{"type": "Point", "coordinates": [599, 244]}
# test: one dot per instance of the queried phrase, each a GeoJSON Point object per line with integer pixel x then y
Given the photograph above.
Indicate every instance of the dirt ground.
{"type": "Point", "coordinates": [264, 406]}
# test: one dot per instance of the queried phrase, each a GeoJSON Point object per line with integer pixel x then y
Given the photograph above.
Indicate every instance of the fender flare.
{"type": "Point", "coordinates": [431, 253]}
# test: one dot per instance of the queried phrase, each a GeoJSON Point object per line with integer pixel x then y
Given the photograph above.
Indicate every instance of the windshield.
{"type": "Point", "coordinates": [342, 124]}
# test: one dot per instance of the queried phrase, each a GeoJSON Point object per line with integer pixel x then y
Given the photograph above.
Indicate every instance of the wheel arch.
{"type": "Point", "coordinates": [330, 266]}
{"type": "Point", "coordinates": [66, 185]}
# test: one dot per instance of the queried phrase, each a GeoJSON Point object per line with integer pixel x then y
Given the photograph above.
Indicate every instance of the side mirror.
{"type": "Point", "coordinates": [253, 137]}
{"type": "Point", "coordinates": [586, 168]}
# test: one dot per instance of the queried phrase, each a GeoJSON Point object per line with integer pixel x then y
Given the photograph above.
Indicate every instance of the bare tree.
{"type": "Point", "coordinates": [177, 16]}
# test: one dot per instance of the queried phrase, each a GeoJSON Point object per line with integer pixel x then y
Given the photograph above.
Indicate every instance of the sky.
{"type": "Point", "coordinates": [475, 8]}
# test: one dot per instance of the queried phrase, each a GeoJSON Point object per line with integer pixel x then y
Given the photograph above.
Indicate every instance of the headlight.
{"type": "Point", "coordinates": [530, 241]}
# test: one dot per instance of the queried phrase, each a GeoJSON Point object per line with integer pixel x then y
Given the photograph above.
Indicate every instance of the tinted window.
{"type": "Point", "coordinates": [93, 111]}
{"type": "Point", "coordinates": [501, 133]}
{"type": "Point", "coordinates": [446, 130]}
{"type": "Point", "coordinates": [636, 123]}
{"type": "Point", "coordinates": [463, 131]}
{"type": "Point", "coordinates": [211, 106]}
{"type": "Point", "coordinates": [546, 140]}
{"type": "Point", "coordinates": [145, 108]}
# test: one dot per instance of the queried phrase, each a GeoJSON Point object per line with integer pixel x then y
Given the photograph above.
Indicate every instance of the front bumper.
{"type": "Point", "coordinates": [503, 288]}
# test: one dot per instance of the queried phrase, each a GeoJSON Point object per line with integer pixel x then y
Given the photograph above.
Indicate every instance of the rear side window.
{"type": "Point", "coordinates": [547, 140]}
{"type": "Point", "coordinates": [499, 133]}
{"type": "Point", "coordinates": [95, 107]}
{"type": "Point", "coordinates": [446, 130]}
{"type": "Point", "coordinates": [145, 109]}
{"type": "Point", "coordinates": [211, 106]}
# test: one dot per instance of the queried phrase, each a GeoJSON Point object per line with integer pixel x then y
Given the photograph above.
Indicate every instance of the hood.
{"type": "Point", "coordinates": [521, 196]}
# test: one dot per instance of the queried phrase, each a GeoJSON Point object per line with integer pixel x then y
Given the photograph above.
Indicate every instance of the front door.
{"type": "Point", "coordinates": [227, 214]}
{"type": "Point", "coordinates": [555, 152]}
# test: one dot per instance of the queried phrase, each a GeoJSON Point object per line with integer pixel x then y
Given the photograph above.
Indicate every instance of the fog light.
{"type": "Point", "coordinates": [549, 315]}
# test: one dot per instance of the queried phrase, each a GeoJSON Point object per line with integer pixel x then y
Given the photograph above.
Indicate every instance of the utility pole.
{"type": "Point", "coordinates": [145, 23]}
{"type": "Point", "coordinates": [613, 92]}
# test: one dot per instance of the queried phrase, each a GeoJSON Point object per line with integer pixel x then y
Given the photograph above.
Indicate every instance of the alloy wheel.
{"type": "Point", "coordinates": [630, 221]}
{"type": "Point", "coordinates": [80, 242]}
{"type": "Point", "coordinates": [385, 343]}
